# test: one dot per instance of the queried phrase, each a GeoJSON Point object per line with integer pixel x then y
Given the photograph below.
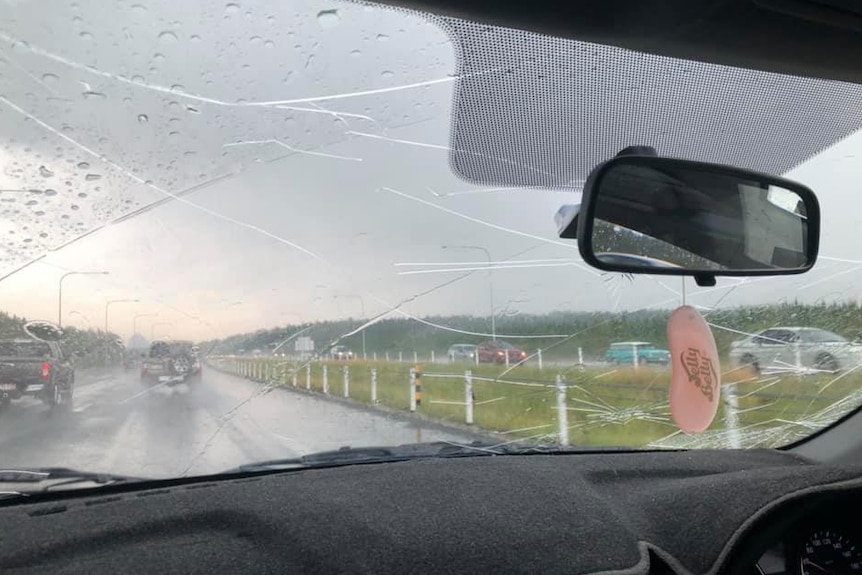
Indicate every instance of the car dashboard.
{"type": "Point", "coordinates": [615, 512]}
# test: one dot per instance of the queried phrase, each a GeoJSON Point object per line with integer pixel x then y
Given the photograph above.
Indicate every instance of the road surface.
{"type": "Point", "coordinates": [118, 426]}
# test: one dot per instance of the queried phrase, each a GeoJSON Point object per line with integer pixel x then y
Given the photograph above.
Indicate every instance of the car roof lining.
{"type": "Point", "coordinates": [808, 38]}
{"type": "Point", "coordinates": [540, 112]}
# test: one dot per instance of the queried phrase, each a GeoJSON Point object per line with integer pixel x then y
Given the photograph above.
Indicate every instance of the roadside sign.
{"type": "Point", "coordinates": [304, 344]}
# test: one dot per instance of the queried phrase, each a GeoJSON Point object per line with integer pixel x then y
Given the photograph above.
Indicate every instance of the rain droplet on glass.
{"type": "Point", "coordinates": [143, 118]}
{"type": "Point", "coordinates": [45, 172]}
{"type": "Point", "coordinates": [167, 37]}
{"type": "Point", "coordinates": [328, 18]}
{"type": "Point", "coordinates": [93, 177]}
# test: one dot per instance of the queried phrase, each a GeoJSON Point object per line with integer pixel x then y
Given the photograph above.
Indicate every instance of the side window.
{"type": "Point", "coordinates": [770, 337]}
{"type": "Point", "coordinates": [786, 336]}
{"type": "Point", "coordinates": [781, 336]}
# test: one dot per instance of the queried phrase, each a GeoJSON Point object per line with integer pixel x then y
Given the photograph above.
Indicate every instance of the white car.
{"type": "Point", "coordinates": [796, 347]}
{"type": "Point", "coordinates": [340, 352]}
{"type": "Point", "coordinates": [462, 352]}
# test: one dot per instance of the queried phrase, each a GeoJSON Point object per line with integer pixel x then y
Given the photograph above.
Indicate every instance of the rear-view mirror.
{"type": "Point", "coordinates": [647, 214]}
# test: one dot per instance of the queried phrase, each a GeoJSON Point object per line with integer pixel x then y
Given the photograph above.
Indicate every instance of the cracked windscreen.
{"type": "Point", "coordinates": [335, 223]}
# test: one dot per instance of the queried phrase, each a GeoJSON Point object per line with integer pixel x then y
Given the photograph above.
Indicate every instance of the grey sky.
{"type": "Point", "coordinates": [117, 106]}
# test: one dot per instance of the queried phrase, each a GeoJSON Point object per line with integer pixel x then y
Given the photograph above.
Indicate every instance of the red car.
{"type": "Point", "coordinates": [495, 352]}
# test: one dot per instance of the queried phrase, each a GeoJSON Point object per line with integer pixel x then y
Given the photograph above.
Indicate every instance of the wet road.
{"type": "Point", "coordinates": [219, 423]}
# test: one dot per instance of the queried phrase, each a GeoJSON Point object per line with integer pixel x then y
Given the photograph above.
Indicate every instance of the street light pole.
{"type": "Point", "coordinates": [135, 321]}
{"type": "Point", "coordinates": [490, 284]}
{"type": "Point", "coordinates": [362, 303]}
{"type": "Point", "coordinates": [60, 294]}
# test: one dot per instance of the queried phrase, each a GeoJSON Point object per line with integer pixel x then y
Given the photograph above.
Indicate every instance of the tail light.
{"type": "Point", "coordinates": [46, 371]}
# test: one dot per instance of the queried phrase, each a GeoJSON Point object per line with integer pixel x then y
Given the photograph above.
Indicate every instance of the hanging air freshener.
{"type": "Point", "coordinates": [695, 372]}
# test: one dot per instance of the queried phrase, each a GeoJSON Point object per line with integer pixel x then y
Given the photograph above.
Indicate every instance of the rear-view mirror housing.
{"type": "Point", "coordinates": [653, 215]}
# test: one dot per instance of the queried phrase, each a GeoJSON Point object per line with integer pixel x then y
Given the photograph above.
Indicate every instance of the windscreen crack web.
{"type": "Point", "coordinates": [536, 111]}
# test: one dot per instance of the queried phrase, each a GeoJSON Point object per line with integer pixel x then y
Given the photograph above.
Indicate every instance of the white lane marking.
{"type": "Point", "coordinates": [146, 391]}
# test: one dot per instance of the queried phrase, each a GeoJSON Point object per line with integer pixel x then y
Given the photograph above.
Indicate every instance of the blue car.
{"type": "Point", "coordinates": [624, 353]}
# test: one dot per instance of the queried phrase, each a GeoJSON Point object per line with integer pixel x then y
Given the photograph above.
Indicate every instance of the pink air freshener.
{"type": "Point", "coordinates": [695, 378]}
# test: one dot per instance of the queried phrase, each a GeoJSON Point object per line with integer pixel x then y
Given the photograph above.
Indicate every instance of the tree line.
{"type": "Point", "coordinates": [591, 331]}
{"type": "Point", "coordinates": [85, 346]}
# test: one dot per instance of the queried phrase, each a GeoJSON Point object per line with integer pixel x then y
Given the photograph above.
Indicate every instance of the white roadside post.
{"type": "Point", "coordinates": [293, 379]}
{"type": "Point", "coordinates": [308, 376]}
{"type": "Point", "coordinates": [400, 357]}
{"type": "Point", "coordinates": [562, 412]}
{"type": "Point", "coordinates": [373, 385]}
{"type": "Point", "coordinates": [346, 381]}
{"type": "Point", "coordinates": [433, 360]}
{"type": "Point", "coordinates": [477, 356]}
{"type": "Point", "coordinates": [507, 359]}
{"type": "Point", "coordinates": [412, 389]}
{"type": "Point", "coordinates": [387, 357]}
{"type": "Point", "coordinates": [581, 356]}
{"type": "Point", "coordinates": [415, 358]}
{"type": "Point", "coordinates": [468, 397]}
{"type": "Point", "coordinates": [325, 380]}
{"type": "Point", "coordinates": [798, 354]}
{"type": "Point", "coordinates": [539, 356]}
{"type": "Point", "coordinates": [635, 355]}
{"type": "Point", "coordinates": [731, 416]}
{"type": "Point", "coordinates": [374, 356]}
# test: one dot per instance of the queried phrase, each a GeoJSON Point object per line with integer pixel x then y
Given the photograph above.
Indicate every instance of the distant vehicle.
{"type": "Point", "coordinates": [36, 368]}
{"type": "Point", "coordinates": [170, 362]}
{"type": "Point", "coordinates": [789, 347]}
{"type": "Point", "coordinates": [623, 353]}
{"type": "Point", "coordinates": [462, 352]}
{"type": "Point", "coordinates": [496, 351]}
{"type": "Point", "coordinates": [341, 352]}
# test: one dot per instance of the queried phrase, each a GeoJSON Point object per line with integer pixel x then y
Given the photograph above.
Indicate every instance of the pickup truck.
{"type": "Point", "coordinates": [170, 362]}
{"type": "Point", "coordinates": [35, 368]}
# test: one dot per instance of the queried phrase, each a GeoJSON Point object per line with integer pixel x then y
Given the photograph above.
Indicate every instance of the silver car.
{"type": "Point", "coordinates": [462, 352]}
{"type": "Point", "coordinates": [782, 348]}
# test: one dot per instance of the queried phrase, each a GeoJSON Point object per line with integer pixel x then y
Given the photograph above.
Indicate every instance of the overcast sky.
{"type": "Point", "coordinates": [309, 144]}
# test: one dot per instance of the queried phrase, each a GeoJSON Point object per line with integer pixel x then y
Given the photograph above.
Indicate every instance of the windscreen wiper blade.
{"type": "Point", "coordinates": [24, 482]}
{"type": "Point", "coordinates": [362, 455]}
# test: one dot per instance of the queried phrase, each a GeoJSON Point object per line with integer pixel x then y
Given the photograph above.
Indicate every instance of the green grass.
{"type": "Point", "coordinates": [606, 406]}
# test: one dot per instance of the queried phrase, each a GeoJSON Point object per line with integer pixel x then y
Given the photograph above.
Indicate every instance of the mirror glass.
{"type": "Point", "coordinates": [43, 330]}
{"type": "Point", "coordinates": [690, 217]}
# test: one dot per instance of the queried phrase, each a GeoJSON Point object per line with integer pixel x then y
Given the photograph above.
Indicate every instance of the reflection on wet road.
{"type": "Point", "coordinates": [207, 427]}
